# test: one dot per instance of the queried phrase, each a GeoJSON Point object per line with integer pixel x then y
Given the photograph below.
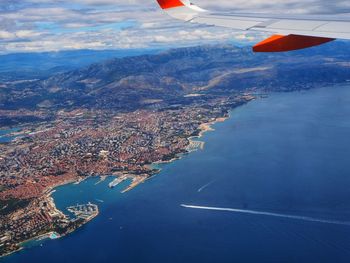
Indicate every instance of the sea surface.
{"type": "Point", "coordinates": [3, 135]}
{"type": "Point", "coordinates": [286, 155]}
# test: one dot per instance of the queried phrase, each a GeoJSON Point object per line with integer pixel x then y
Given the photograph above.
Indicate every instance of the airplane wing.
{"type": "Point", "coordinates": [290, 32]}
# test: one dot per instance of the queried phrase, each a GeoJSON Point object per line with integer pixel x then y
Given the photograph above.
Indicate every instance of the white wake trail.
{"type": "Point", "coordinates": [252, 212]}
{"type": "Point", "coordinates": [205, 186]}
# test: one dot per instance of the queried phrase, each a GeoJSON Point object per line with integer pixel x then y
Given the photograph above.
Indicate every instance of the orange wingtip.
{"type": "Point", "coordinates": [165, 4]}
{"type": "Point", "coordinates": [278, 43]}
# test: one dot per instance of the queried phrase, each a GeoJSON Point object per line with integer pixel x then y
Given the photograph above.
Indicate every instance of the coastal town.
{"type": "Point", "coordinates": [41, 219]}
{"type": "Point", "coordinates": [83, 143]}
{"type": "Point", "coordinates": [120, 118]}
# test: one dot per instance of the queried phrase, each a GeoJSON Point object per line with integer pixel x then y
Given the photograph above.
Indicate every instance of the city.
{"type": "Point", "coordinates": [80, 144]}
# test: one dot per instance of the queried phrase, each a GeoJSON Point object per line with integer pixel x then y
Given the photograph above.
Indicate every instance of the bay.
{"type": "Point", "coordinates": [4, 138]}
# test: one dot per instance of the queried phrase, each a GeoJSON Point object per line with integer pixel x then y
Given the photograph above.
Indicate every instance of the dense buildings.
{"type": "Point", "coordinates": [83, 143]}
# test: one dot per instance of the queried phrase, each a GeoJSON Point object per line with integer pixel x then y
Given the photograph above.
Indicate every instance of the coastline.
{"type": "Point", "coordinates": [136, 180]}
{"type": "Point", "coordinates": [139, 179]}
{"type": "Point", "coordinates": [46, 235]}
{"type": "Point", "coordinates": [38, 238]}
{"type": "Point", "coordinates": [12, 252]}
{"type": "Point", "coordinates": [207, 127]}
{"type": "Point", "coordinates": [182, 180]}
{"type": "Point", "coordinates": [196, 144]}
{"type": "Point", "coordinates": [51, 234]}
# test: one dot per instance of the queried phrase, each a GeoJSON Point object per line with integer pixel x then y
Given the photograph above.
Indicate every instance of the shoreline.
{"type": "Point", "coordinates": [39, 238]}
{"type": "Point", "coordinates": [48, 197]}
{"type": "Point", "coordinates": [136, 180]}
{"type": "Point", "coordinates": [204, 128]}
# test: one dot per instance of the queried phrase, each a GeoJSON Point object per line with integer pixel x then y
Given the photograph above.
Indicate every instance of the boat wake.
{"type": "Point", "coordinates": [205, 186]}
{"type": "Point", "coordinates": [252, 212]}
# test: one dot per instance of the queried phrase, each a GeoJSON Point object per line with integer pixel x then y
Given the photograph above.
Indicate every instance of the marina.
{"type": "Point", "coordinates": [86, 212]}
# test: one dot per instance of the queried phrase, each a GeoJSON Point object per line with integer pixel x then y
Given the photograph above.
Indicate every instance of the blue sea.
{"type": "Point", "coordinates": [286, 155]}
{"type": "Point", "coordinates": [3, 135]}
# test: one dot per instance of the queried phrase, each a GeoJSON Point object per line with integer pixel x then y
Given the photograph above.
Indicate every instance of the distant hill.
{"type": "Point", "coordinates": [41, 65]}
{"type": "Point", "coordinates": [172, 76]}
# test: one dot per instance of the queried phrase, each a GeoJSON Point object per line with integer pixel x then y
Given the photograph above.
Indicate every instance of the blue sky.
{"type": "Point", "coordinates": [52, 25]}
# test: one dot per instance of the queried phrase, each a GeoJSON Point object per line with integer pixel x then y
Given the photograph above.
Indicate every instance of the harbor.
{"type": "Point", "coordinates": [86, 212]}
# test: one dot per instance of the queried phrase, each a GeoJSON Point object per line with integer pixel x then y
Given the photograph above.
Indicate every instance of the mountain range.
{"type": "Point", "coordinates": [178, 75]}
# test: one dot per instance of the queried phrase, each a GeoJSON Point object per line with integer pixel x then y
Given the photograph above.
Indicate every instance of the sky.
{"type": "Point", "coordinates": [54, 25]}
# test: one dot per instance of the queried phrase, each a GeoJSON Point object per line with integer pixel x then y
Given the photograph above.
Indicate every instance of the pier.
{"type": "Point", "coordinates": [117, 181]}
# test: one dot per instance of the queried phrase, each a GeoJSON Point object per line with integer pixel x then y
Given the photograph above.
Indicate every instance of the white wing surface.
{"type": "Point", "coordinates": [290, 32]}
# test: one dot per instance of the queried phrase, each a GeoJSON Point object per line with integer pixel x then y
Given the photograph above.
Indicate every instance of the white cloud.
{"type": "Point", "coordinates": [6, 35]}
{"type": "Point", "coordinates": [40, 25]}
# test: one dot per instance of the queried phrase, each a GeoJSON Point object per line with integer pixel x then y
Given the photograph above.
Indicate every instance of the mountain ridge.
{"type": "Point", "coordinates": [124, 83]}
